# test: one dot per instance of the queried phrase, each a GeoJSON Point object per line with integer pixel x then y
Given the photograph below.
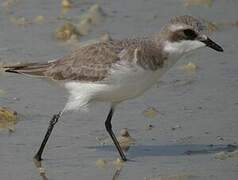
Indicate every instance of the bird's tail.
{"type": "Point", "coordinates": [35, 69]}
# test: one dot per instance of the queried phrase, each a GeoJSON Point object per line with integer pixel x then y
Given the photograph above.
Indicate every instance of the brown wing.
{"type": "Point", "coordinates": [89, 63]}
{"type": "Point", "coordinates": [93, 62]}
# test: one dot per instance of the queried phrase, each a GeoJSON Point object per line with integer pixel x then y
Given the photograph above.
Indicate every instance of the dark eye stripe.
{"type": "Point", "coordinates": [190, 34]}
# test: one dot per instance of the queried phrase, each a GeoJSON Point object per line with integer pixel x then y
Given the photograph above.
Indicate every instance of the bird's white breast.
{"type": "Point", "coordinates": [124, 82]}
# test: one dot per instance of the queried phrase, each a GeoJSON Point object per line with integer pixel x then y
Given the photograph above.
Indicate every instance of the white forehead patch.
{"type": "Point", "coordinates": [176, 27]}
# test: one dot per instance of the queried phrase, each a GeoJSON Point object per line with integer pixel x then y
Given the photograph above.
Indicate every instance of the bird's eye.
{"type": "Point", "coordinates": [190, 34]}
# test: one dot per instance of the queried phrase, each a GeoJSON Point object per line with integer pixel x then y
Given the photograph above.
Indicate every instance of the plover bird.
{"type": "Point", "coordinates": [118, 70]}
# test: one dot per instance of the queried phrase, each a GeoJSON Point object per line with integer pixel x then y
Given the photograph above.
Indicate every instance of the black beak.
{"type": "Point", "coordinates": [212, 45]}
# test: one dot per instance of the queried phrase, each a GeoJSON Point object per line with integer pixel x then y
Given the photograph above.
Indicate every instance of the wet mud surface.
{"type": "Point", "coordinates": [184, 127]}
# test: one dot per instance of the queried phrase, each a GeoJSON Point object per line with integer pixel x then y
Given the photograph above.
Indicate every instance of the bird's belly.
{"type": "Point", "coordinates": [118, 88]}
{"type": "Point", "coordinates": [125, 90]}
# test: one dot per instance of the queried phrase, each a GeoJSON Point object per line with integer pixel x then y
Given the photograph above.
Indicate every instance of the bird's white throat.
{"type": "Point", "coordinates": [182, 47]}
{"type": "Point", "coordinates": [177, 49]}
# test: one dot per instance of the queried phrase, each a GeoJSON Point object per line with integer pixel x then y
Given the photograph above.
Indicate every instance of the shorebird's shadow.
{"type": "Point", "coordinates": [170, 150]}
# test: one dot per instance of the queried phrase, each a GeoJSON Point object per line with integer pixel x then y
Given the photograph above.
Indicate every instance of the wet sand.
{"type": "Point", "coordinates": [196, 112]}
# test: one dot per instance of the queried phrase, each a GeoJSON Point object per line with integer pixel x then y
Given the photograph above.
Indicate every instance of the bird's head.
{"type": "Point", "coordinates": [184, 34]}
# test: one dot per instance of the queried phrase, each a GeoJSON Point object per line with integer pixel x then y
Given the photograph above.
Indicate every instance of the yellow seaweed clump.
{"type": "Point", "coordinates": [212, 27]}
{"type": "Point", "coordinates": [101, 163]}
{"type": "Point", "coordinates": [8, 119]}
{"type": "Point", "coordinates": [96, 13]}
{"type": "Point", "coordinates": [85, 26]}
{"type": "Point", "coordinates": [39, 19]}
{"type": "Point", "coordinates": [93, 16]}
{"type": "Point", "coordinates": [66, 4]}
{"type": "Point", "coordinates": [118, 162]}
{"type": "Point", "coordinates": [66, 31]}
{"type": "Point", "coordinates": [227, 155]}
{"type": "Point", "coordinates": [189, 67]}
{"type": "Point", "coordinates": [125, 140]}
{"type": "Point", "coordinates": [150, 112]}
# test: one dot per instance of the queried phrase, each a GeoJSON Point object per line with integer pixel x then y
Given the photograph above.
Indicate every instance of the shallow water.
{"type": "Point", "coordinates": [204, 105]}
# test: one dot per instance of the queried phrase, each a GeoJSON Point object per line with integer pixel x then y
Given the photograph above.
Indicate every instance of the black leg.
{"type": "Point", "coordinates": [53, 121]}
{"type": "Point", "coordinates": [109, 130]}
